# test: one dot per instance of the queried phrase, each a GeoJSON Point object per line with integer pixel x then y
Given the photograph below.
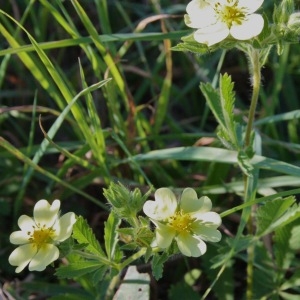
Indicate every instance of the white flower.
{"type": "Point", "coordinates": [216, 19]}
{"type": "Point", "coordinates": [190, 222]}
{"type": "Point", "coordinates": [39, 236]}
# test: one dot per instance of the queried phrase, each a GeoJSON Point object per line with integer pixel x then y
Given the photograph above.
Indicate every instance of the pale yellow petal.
{"type": "Point", "coordinates": [249, 28]}
{"type": "Point", "coordinates": [207, 233]}
{"type": "Point", "coordinates": [189, 200]}
{"type": "Point", "coordinates": [163, 207]}
{"type": "Point", "coordinates": [200, 14]}
{"type": "Point", "coordinates": [21, 256]}
{"type": "Point", "coordinates": [64, 226]}
{"type": "Point", "coordinates": [190, 203]}
{"type": "Point", "coordinates": [164, 235]}
{"type": "Point", "coordinates": [212, 34]}
{"type": "Point", "coordinates": [19, 238]}
{"type": "Point", "coordinates": [45, 256]}
{"type": "Point", "coordinates": [190, 245]}
{"type": "Point", "coordinates": [26, 223]}
{"type": "Point", "coordinates": [46, 214]}
{"type": "Point", "coordinates": [210, 219]}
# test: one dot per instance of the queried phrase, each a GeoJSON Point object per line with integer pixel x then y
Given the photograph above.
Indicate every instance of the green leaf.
{"type": "Point", "coordinates": [295, 237]}
{"type": "Point", "coordinates": [214, 101]}
{"type": "Point", "coordinates": [77, 269]}
{"type": "Point", "coordinates": [227, 98]}
{"type": "Point", "coordinates": [84, 235]}
{"type": "Point", "coordinates": [288, 296]}
{"type": "Point", "coordinates": [158, 264]}
{"type": "Point", "coordinates": [282, 251]}
{"type": "Point", "coordinates": [276, 213]}
{"type": "Point", "coordinates": [216, 155]}
{"type": "Point", "coordinates": [111, 234]}
{"type": "Point", "coordinates": [264, 276]}
{"type": "Point", "coordinates": [232, 247]}
{"type": "Point", "coordinates": [99, 275]}
{"type": "Point", "coordinates": [189, 44]}
{"type": "Point", "coordinates": [294, 281]}
{"type": "Point", "coordinates": [244, 163]}
{"type": "Point", "coordinates": [222, 105]}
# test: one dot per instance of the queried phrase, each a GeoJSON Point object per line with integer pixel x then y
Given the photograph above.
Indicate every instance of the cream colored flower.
{"type": "Point", "coordinates": [39, 236]}
{"type": "Point", "coordinates": [215, 20]}
{"type": "Point", "coordinates": [189, 221]}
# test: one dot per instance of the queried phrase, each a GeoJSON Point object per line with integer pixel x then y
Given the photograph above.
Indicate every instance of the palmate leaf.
{"type": "Point", "coordinates": [79, 268]}
{"type": "Point", "coordinates": [84, 235]}
{"type": "Point", "coordinates": [275, 214]}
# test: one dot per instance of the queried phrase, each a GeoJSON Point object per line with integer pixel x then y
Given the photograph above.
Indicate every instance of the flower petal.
{"type": "Point", "coordinates": [251, 6]}
{"type": "Point", "coordinates": [21, 256]}
{"type": "Point", "coordinates": [46, 214]}
{"type": "Point", "coordinates": [26, 223]}
{"type": "Point", "coordinates": [163, 207]}
{"type": "Point", "coordinates": [164, 235]}
{"type": "Point", "coordinates": [212, 34]}
{"type": "Point", "coordinates": [45, 256]}
{"type": "Point", "coordinates": [64, 226]}
{"type": "Point", "coordinates": [189, 200]}
{"type": "Point", "coordinates": [200, 14]}
{"type": "Point", "coordinates": [19, 238]}
{"type": "Point", "coordinates": [190, 245]}
{"type": "Point", "coordinates": [249, 28]}
{"type": "Point", "coordinates": [209, 219]}
{"type": "Point", "coordinates": [207, 233]}
{"type": "Point", "coordinates": [190, 203]}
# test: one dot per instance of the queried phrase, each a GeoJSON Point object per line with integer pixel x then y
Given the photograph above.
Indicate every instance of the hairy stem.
{"type": "Point", "coordinates": [255, 68]}
{"type": "Point", "coordinates": [250, 186]}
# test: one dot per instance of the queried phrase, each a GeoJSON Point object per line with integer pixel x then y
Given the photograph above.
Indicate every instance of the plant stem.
{"type": "Point", "coordinates": [250, 182]}
{"type": "Point", "coordinates": [255, 68]}
{"type": "Point", "coordinates": [132, 258]}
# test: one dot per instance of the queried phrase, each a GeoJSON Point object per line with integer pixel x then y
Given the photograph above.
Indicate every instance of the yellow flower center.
{"type": "Point", "coordinates": [40, 235]}
{"type": "Point", "coordinates": [230, 13]}
{"type": "Point", "coordinates": [181, 222]}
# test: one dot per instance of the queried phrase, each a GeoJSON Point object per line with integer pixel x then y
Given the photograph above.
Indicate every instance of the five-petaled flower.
{"type": "Point", "coordinates": [39, 236]}
{"type": "Point", "coordinates": [189, 221]}
{"type": "Point", "coordinates": [215, 20]}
